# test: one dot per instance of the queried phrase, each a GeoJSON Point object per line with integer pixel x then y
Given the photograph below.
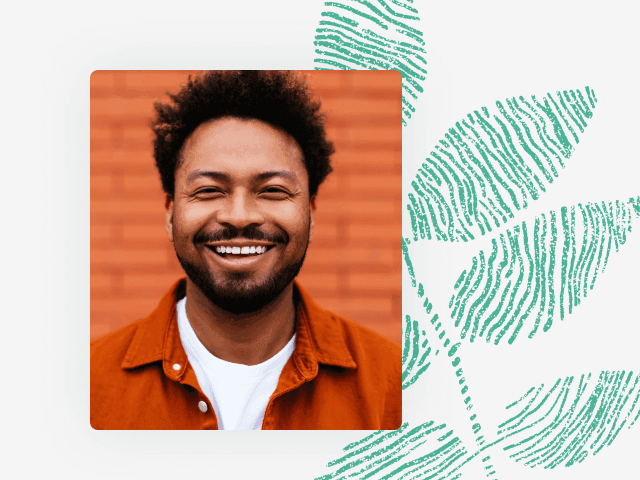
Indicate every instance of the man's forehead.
{"type": "Point", "coordinates": [236, 135]}
{"type": "Point", "coordinates": [229, 146]}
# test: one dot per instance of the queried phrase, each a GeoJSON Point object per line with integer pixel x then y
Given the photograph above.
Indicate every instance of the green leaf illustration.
{"type": "Point", "coordinates": [373, 35]}
{"type": "Point", "coordinates": [415, 352]}
{"type": "Point", "coordinates": [382, 456]}
{"type": "Point", "coordinates": [561, 425]}
{"type": "Point", "coordinates": [538, 273]}
{"type": "Point", "coordinates": [492, 165]}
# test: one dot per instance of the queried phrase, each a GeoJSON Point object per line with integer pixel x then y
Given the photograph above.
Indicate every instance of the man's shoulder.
{"type": "Point", "coordinates": [373, 354]}
{"type": "Point", "coordinates": [111, 348]}
{"type": "Point", "coordinates": [359, 337]}
{"type": "Point", "coordinates": [146, 334]}
{"type": "Point", "coordinates": [338, 337]}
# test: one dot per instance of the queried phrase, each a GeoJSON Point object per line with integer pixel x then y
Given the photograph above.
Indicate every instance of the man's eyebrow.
{"type": "Point", "coordinates": [223, 177]}
{"type": "Point", "coordinates": [276, 173]}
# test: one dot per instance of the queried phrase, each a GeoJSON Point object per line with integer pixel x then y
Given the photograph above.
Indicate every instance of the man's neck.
{"type": "Point", "coordinates": [247, 339]}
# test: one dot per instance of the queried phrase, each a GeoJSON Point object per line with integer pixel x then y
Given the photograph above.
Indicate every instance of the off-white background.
{"type": "Point", "coordinates": [477, 52]}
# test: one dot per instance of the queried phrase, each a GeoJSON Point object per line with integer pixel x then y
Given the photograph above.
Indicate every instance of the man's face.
{"type": "Point", "coordinates": [241, 185]}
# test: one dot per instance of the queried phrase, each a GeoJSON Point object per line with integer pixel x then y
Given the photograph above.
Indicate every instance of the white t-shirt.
{"type": "Point", "coordinates": [239, 393]}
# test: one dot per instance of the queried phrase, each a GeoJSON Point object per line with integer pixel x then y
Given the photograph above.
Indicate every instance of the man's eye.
{"type": "Point", "coordinates": [275, 193]}
{"type": "Point", "coordinates": [208, 192]}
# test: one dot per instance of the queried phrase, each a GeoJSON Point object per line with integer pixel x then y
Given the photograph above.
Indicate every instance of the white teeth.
{"type": "Point", "coordinates": [242, 250]}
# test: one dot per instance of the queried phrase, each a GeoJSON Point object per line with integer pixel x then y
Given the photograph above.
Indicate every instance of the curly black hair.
{"type": "Point", "coordinates": [280, 98]}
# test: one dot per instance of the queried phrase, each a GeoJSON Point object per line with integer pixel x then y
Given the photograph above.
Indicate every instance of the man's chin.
{"type": "Point", "coordinates": [241, 301]}
{"type": "Point", "coordinates": [238, 294]}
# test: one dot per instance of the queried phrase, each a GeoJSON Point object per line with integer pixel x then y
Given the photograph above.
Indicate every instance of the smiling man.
{"type": "Point", "coordinates": [239, 344]}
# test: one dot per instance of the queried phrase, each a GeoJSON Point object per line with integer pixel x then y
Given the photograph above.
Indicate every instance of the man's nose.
{"type": "Point", "coordinates": [240, 210]}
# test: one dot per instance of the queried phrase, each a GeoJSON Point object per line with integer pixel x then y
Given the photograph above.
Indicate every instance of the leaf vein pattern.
{"type": "Point", "coordinates": [374, 35]}
{"type": "Point", "coordinates": [489, 302]}
{"type": "Point", "coordinates": [490, 166]}
{"type": "Point", "coordinates": [580, 419]}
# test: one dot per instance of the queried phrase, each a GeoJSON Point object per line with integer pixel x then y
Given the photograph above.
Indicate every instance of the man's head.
{"type": "Point", "coordinates": [231, 154]}
{"type": "Point", "coordinates": [280, 98]}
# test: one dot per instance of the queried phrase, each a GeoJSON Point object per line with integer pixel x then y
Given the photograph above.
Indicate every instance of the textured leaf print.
{"type": "Point", "coordinates": [491, 165]}
{"type": "Point", "coordinates": [391, 455]}
{"type": "Point", "coordinates": [374, 35]}
{"type": "Point", "coordinates": [415, 352]}
{"type": "Point", "coordinates": [535, 274]}
{"type": "Point", "coordinates": [560, 425]}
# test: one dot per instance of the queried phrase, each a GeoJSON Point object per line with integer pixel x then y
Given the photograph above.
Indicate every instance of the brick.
{"type": "Point", "coordinates": [376, 135]}
{"type": "Point", "coordinates": [376, 80]}
{"type": "Point", "coordinates": [334, 134]}
{"type": "Point", "coordinates": [388, 184]}
{"type": "Point", "coordinates": [97, 159]}
{"type": "Point", "coordinates": [324, 233]}
{"type": "Point", "coordinates": [123, 310]}
{"type": "Point", "coordinates": [173, 265]}
{"type": "Point", "coordinates": [376, 234]}
{"type": "Point", "coordinates": [370, 207]}
{"type": "Point", "coordinates": [158, 282]}
{"type": "Point", "coordinates": [318, 282]}
{"type": "Point", "coordinates": [358, 219]}
{"type": "Point", "coordinates": [124, 257]}
{"type": "Point", "coordinates": [100, 281]}
{"type": "Point", "coordinates": [102, 133]}
{"type": "Point", "coordinates": [338, 221]}
{"type": "Point", "coordinates": [152, 242]}
{"type": "Point", "coordinates": [101, 92]}
{"type": "Point", "coordinates": [145, 232]}
{"type": "Point", "coordinates": [356, 306]}
{"type": "Point", "coordinates": [345, 108]}
{"type": "Point", "coordinates": [101, 185]}
{"type": "Point", "coordinates": [372, 162]}
{"type": "Point", "coordinates": [101, 78]}
{"type": "Point", "coordinates": [384, 283]}
{"type": "Point", "coordinates": [389, 330]}
{"type": "Point", "coordinates": [330, 187]}
{"type": "Point", "coordinates": [122, 208]}
{"type": "Point", "coordinates": [325, 82]}
{"type": "Point", "coordinates": [138, 133]}
{"type": "Point", "coordinates": [136, 163]}
{"type": "Point", "coordinates": [147, 187]}
{"type": "Point", "coordinates": [99, 328]}
{"type": "Point", "coordinates": [351, 256]}
{"type": "Point", "coordinates": [121, 122]}
{"type": "Point", "coordinates": [167, 79]}
{"type": "Point", "coordinates": [101, 232]}
{"type": "Point", "coordinates": [119, 107]}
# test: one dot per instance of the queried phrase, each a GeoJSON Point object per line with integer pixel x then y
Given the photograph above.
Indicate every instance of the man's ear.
{"type": "Point", "coordinates": [168, 221]}
{"type": "Point", "coordinates": [312, 214]}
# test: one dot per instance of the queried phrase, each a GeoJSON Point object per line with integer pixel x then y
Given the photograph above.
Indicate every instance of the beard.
{"type": "Point", "coordinates": [238, 293]}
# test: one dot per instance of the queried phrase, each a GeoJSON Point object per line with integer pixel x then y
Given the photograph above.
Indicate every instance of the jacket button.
{"type": "Point", "coordinates": [203, 406]}
{"type": "Point", "coordinates": [176, 366]}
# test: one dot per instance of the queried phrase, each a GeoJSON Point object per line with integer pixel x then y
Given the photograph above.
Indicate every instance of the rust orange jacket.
{"type": "Point", "coordinates": [341, 376]}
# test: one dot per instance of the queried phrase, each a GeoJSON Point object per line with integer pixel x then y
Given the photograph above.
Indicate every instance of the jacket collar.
{"type": "Point", "coordinates": [320, 336]}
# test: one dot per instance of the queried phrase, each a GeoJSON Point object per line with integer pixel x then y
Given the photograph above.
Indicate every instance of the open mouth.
{"type": "Point", "coordinates": [239, 252]}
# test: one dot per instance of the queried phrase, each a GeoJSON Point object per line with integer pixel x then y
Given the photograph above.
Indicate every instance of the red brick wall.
{"type": "Point", "coordinates": [353, 265]}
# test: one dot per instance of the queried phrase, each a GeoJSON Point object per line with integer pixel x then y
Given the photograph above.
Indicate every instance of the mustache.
{"type": "Point", "coordinates": [250, 232]}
